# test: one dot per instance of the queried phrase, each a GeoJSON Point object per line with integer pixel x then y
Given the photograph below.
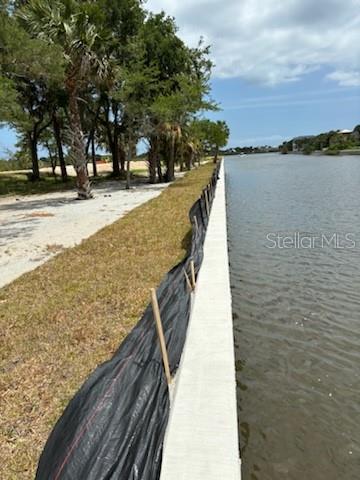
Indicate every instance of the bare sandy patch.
{"type": "Point", "coordinates": [35, 228]}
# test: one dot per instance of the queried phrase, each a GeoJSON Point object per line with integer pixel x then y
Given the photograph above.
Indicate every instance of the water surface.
{"type": "Point", "coordinates": [296, 314]}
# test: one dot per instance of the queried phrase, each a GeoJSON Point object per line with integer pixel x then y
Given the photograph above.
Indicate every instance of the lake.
{"type": "Point", "coordinates": [294, 247]}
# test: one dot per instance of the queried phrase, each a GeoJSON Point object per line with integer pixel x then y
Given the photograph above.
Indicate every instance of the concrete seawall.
{"type": "Point", "coordinates": [202, 436]}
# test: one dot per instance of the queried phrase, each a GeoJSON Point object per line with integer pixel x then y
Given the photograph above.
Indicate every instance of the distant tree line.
{"type": "Point", "coordinates": [78, 75]}
{"type": "Point", "coordinates": [332, 142]}
{"type": "Point", "coordinates": [249, 150]}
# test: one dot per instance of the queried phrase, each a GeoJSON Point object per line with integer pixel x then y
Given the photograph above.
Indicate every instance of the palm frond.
{"type": "Point", "coordinates": [70, 27]}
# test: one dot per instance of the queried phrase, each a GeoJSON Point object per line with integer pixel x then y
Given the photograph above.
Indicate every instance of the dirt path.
{"type": "Point", "coordinates": [36, 227]}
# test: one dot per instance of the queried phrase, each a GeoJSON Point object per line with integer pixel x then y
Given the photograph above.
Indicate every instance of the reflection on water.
{"type": "Point", "coordinates": [296, 316]}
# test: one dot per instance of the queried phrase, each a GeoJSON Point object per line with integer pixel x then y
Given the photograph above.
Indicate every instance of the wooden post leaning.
{"type": "Point", "coordinates": [207, 203]}
{"type": "Point", "coordinates": [193, 279]}
{"type": "Point", "coordinates": [209, 192]}
{"type": "Point", "coordinates": [160, 332]}
{"type": "Point", "coordinates": [188, 280]}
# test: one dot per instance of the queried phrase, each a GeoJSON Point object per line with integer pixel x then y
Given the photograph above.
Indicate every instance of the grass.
{"type": "Point", "coordinates": [19, 184]}
{"type": "Point", "coordinates": [61, 320]}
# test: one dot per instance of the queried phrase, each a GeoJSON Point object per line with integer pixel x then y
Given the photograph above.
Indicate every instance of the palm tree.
{"type": "Point", "coordinates": [66, 23]}
{"type": "Point", "coordinates": [171, 133]}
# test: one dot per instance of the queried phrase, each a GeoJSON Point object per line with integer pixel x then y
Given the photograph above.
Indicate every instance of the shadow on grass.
{"type": "Point", "coordinates": [19, 184]}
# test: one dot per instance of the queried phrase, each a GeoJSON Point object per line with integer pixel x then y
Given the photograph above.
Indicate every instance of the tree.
{"type": "Point", "coordinates": [29, 68]}
{"type": "Point", "coordinates": [72, 26]}
{"type": "Point", "coordinates": [57, 124]}
{"type": "Point", "coordinates": [104, 73]}
{"type": "Point", "coordinates": [181, 85]}
{"type": "Point", "coordinates": [122, 22]}
{"type": "Point", "coordinates": [191, 145]}
{"type": "Point", "coordinates": [218, 136]}
{"type": "Point", "coordinates": [213, 135]}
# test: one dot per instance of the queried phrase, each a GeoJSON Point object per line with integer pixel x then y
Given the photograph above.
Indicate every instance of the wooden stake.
{"type": "Point", "coordinates": [188, 280]}
{"type": "Point", "coordinates": [207, 203]}
{"type": "Point", "coordinates": [212, 191]}
{"type": "Point", "coordinates": [160, 332]}
{"type": "Point", "coordinates": [192, 266]}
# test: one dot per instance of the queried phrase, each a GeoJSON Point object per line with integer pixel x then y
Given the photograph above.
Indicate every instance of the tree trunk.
{"type": "Point", "coordinates": [113, 143]}
{"type": "Point", "coordinates": [77, 147]}
{"type": "Point", "coordinates": [182, 155]}
{"type": "Point", "coordinates": [170, 173]}
{"type": "Point", "coordinates": [115, 154]}
{"type": "Point", "coordinates": [57, 135]}
{"type": "Point", "coordinates": [93, 155]}
{"type": "Point", "coordinates": [159, 169]}
{"type": "Point", "coordinates": [128, 163]}
{"type": "Point", "coordinates": [32, 139]}
{"type": "Point", "coordinates": [53, 160]}
{"type": "Point", "coordinates": [152, 159]}
{"type": "Point", "coordinates": [122, 158]}
{"type": "Point", "coordinates": [216, 154]}
{"type": "Point", "coordinates": [189, 160]}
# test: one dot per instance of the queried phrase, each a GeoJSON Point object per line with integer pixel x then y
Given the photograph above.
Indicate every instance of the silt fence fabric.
{"type": "Point", "coordinates": [114, 426]}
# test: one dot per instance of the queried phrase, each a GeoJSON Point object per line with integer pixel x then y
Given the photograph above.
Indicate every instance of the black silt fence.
{"type": "Point", "coordinates": [114, 426]}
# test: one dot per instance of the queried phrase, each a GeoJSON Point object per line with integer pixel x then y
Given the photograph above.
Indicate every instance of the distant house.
{"type": "Point", "coordinates": [351, 134]}
{"type": "Point", "coordinates": [299, 142]}
{"type": "Point", "coordinates": [342, 137]}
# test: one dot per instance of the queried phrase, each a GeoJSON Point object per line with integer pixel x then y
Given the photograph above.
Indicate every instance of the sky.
{"type": "Point", "coordinates": [283, 68]}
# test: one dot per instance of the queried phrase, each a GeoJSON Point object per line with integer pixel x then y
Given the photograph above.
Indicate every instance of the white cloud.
{"type": "Point", "coordinates": [273, 41]}
{"type": "Point", "coordinates": [346, 79]}
{"type": "Point", "coordinates": [285, 103]}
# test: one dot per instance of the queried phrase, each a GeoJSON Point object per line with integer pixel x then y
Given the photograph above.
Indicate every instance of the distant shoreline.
{"type": "Point", "coordinates": [317, 153]}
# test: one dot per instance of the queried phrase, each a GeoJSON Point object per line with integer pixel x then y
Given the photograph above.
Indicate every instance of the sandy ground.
{"type": "Point", "coordinates": [101, 168]}
{"type": "Point", "coordinates": [35, 228]}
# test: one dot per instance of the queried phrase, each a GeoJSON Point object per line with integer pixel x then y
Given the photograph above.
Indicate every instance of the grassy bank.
{"type": "Point", "coordinates": [67, 316]}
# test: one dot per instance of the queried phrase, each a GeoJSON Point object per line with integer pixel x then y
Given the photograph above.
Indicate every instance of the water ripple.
{"type": "Point", "coordinates": [296, 316]}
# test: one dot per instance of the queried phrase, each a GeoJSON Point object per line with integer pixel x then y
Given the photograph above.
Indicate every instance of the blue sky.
{"type": "Point", "coordinates": [283, 67]}
{"type": "Point", "coordinates": [259, 115]}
